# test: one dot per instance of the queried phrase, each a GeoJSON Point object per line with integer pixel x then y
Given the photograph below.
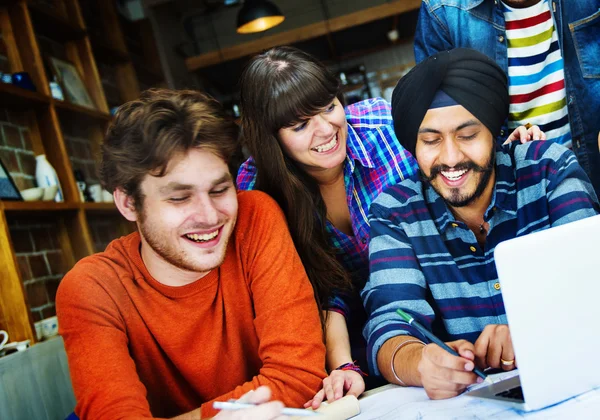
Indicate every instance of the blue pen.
{"type": "Point", "coordinates": [234, 405]}
{"type": "Point", "coordinates": [434, 339]}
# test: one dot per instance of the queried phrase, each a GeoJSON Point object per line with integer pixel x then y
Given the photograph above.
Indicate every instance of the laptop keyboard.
{"type": "Point", "coordinates": [515, 393]}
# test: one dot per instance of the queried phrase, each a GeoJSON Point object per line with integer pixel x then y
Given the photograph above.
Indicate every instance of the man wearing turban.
{"type": "Point", "coordinates": [433, 235]}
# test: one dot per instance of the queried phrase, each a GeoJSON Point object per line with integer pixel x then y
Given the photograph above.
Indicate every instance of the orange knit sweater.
{"type": "Point", "coordinates": [138, 349]}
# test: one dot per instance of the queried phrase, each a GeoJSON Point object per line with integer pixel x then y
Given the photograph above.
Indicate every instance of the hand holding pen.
{"type": "Point", "coordinates": [447, 368]}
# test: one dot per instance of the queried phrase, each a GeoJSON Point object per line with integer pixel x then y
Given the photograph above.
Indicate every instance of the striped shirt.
{"type": "Point", "coordinates": [429, 264]}
{"type": "Point", "coordinates": [536, 72]}
{"type": "Point", "coordinates": [375, 160]}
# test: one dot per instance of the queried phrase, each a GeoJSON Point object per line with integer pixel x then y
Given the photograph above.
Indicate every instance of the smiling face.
{"type": "Point", "coordinates": [319, 142]}
{"type": "Point", "coordinates": [187, 217]}
{"type": "Point", "coordinates": [455, 153]}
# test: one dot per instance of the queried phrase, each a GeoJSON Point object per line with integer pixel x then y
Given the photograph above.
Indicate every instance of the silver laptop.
{"type": "Point", "coordinates": [550, 282]}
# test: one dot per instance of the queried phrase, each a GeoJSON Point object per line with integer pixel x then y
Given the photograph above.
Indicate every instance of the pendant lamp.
{"type": "Point", "coordinates": [258, 16]}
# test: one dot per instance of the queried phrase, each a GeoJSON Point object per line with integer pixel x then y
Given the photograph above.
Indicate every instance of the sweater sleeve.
{"type": "Point", "coordinates": [286, 316]}
{"type": "Point", "coordinates": [104, 376]}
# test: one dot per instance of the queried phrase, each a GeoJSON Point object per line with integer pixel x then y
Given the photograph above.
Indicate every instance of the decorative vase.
{"type": "Point", "coordinates": [45, 175]}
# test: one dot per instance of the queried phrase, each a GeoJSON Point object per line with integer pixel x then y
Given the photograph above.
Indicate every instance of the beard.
{"type": "Point", "coordinates": [455, 197]}
{"type": "Point", "coordinates": [176, 255]}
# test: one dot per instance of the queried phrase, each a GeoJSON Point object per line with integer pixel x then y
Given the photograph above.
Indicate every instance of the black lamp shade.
{"type": "Point", "coordinates": [258, 16]}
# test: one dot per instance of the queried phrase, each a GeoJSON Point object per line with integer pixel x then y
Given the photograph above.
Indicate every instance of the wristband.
{"type": "Point", "coordinates": [351, 366]}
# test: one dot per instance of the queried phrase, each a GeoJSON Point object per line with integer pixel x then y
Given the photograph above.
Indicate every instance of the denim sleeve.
{"type": "Point", "coordinates": [432, 33]}
{"type": "Point", "coordinates": [396, 281]}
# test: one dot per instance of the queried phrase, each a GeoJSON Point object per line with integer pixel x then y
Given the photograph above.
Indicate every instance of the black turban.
{"type": "Point", "coordinates": [469, 77]}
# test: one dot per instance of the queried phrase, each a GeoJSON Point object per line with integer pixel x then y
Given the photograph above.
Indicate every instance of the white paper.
{"type": "Point", "coordinates": [395, 402]}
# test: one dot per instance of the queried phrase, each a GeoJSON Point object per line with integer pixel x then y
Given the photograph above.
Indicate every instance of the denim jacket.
{"type": "Point", "coordinates": [479, 24]}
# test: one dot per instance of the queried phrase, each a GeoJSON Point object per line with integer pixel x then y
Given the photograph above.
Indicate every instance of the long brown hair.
{"type": "Point", "coordinates": [279, 88]}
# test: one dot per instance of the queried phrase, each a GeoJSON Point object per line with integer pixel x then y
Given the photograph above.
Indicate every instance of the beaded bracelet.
{"type": "Point", "coordinates": [351, 366]}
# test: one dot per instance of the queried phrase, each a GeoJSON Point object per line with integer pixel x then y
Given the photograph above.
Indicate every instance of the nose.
{"type": "Point", "coordinates": [323, 126]}
{"type": "Point", "coordinates": [451, 153]}
{"type": "Point", "coordinates": [206, 212]}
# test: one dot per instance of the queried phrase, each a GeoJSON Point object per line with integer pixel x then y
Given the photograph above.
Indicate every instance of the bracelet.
{"type": "Point", "coordinates": [398, 347]}
{"type": "Point", "coordinates": [351, 366]}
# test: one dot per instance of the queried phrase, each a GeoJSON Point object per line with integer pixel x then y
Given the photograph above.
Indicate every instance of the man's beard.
{"type": "Point", "coordinates": [456, 199]}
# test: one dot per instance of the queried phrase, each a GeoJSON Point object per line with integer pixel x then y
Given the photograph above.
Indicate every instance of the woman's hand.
{"type": "Point", "coordinates": [523, 133]}
{"type": "Point", "coordinates": [336, 385]}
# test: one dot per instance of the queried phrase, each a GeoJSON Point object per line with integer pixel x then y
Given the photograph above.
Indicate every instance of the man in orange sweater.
{"type": "Point", "coordinates": [208, 300]}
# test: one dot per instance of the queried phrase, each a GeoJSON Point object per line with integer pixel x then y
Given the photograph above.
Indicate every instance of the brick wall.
{"type": "Point", "coordinates": [16, 151]}
{"type": "Point", "coordinates": [40, 261]}
{"type": "Point", "coordinates": [104, 229]}
{"type": "Point", "coordinates": [80, 148]}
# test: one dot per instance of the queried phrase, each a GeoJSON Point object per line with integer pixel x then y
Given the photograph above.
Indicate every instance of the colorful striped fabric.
{"type": "Point", "coordinates": [375, 160]}
{"type": "Point", "coordinates": [430, 265]}
{"type": "Point", "coordinates": [536, 72]}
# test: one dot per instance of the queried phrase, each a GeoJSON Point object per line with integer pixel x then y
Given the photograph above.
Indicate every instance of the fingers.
{"type": "Point", "coordinates": [334, 385]}
{"type": "Point", "coordinates": [523, 134]}
{"type": "Point", "coordinates": [316, 401]}
{"type": "Point", "coordinates": [508, 354]}
{"type": "Point", "coordinates": [481, 349]}
{"type": "Point", "coordinates": [354, 384]}
{"type": "Point", "coordinates": [259, 395]}
{"type": "Point", "coordinates": [266, 411]}
{"type": "Point", "coordinates": [494, 345]}
{"type": "Point", "coordinates": [442, 372]}
{"type": "Point", "coordinates": [536, 133]}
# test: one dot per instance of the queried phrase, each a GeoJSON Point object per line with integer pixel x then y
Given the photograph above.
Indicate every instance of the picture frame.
{"type": "Point", "coordinates": [8, 188]}
{"type": "Point", "coordinates": [71, 83]}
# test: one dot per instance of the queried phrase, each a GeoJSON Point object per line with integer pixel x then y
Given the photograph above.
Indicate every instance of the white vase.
{"type": "Point", "coordinates": [45, 175]}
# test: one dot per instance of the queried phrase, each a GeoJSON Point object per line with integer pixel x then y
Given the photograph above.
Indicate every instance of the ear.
{"type": "Point", "coordinates": [125, 204]}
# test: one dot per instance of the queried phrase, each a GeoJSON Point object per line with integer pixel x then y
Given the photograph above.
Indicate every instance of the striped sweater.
{"type": "Point", "coordinates": [427, 263]}
{"type": "Point", "coordinates": [536, 72]}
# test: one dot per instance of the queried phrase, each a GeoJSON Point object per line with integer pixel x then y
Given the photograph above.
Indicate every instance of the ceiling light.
{"type": "Point", "coordinates": [258, 16]}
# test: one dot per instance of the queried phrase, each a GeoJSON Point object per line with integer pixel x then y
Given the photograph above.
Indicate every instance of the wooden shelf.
{"type": "Point", "coordinates": [53, 26]}
{"type": "Point", "coordinates": [79, 110]}
{"type": "Point", "coordinates": [99, 207]}
{"type": "Point", "coordinates": [13, 96]}
{"type": "Point", "coordinates": [107, 53]}
{"type": "Point", "coordinates": [36, 206]}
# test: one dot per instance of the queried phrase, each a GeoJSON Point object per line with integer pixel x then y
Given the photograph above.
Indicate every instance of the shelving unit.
{"type": "Point", "coordinates": [41, 241]}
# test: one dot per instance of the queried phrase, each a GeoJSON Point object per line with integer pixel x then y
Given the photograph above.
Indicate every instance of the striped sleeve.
{"type": "Point", "coordinates": [569, 193]}
{"type": "Point", "coordinates": [396, 280]}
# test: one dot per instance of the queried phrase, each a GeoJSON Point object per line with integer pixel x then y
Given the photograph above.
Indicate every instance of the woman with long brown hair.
{"type": "Point", "coordinates": [324, 165]}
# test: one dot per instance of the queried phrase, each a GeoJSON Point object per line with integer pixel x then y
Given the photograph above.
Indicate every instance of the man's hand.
{"type": "Point", "coordinates": [444, 375]}
{"type": "Point", "coordinates": [336, 385]}
{"type": "Point", "coordinates": [524, 134]}
{"type": "Point", "coordinates": [263, 411]}
{"type": "Point", "coordinates": [494, 348]}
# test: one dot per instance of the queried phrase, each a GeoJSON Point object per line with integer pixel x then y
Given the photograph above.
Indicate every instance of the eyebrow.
{"type": "Point", "coordinates": [177, 186]}
{"type": "Point", "coordinates": [466, 124]}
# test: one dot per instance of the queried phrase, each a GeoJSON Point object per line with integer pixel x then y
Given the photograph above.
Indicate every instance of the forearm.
{"type": "Point", "coordinates": [406, 358]}
{"type": "Point", "coordinates": [337, 341]}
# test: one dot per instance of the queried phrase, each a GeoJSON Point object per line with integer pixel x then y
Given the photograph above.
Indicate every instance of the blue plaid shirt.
{"type": "Point", "coordinates": [430, 265]}
{"type": "Point", "coordinates": [375, 160]}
